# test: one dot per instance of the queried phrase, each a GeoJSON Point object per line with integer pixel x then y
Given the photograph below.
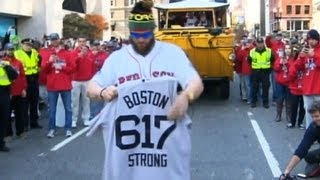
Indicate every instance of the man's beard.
{"type": "Point", "coordinates": [146, 51]}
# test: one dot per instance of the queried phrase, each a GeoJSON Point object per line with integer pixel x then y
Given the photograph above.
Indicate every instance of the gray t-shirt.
{"type": "Point", "coordinates": [140, 143]}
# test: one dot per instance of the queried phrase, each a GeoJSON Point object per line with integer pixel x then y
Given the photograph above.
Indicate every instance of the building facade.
{"type": "Point", "coordinates": [120, 10]}
{"type": "Point", "coordinates": [291, 15]}
{"type": "Point", "coordinates": [36, 18]}
{"type": "Point", "coordinates": [316, 15]}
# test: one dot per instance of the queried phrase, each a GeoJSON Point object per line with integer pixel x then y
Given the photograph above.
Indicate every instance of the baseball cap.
{"type": "Point", "coordinates": [54, 36]}
{"type": "Point", "coordinates": [260, 40]}
{"type": "Point", "coordinates": [313, 34]}
{"type": "Point", "coordinates": [96, 42]}
{"type": "Point", "coordinates": [27, 41]}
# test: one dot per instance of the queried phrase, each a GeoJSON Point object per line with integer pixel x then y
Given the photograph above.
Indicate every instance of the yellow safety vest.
{"type": "Point", "coordinates": [30, 64]}
{"type": "Point", "coordinates": [261, 60]}
{"type": "Point", "coordinates": [4, 80]}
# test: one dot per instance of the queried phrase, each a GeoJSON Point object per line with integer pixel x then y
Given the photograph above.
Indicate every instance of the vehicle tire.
{"type": "Point", "coordinates": [224, 89]}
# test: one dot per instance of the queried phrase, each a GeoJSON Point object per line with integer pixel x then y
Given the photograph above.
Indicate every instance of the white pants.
{"type": "Point", "coordinates": [308, 100]}
{"type": "Point", "coordinates": [80, 101]}
{"type": "Point", "coordinates": [243, 87]}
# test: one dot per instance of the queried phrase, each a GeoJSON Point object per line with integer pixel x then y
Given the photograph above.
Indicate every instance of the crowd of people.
{"type": "Point", "coordinates": [292, 68]}
{"type": "Point", "coordinates": [287, 66]}
{"type": "Point", "coordinates": [35, 73]}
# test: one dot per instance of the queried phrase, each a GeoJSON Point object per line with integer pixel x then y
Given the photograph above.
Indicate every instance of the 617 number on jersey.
{"type": "Point", "coordinates": [145, 143]}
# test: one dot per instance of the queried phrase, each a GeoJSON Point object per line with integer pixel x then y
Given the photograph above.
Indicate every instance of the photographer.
{"type": "Point", "coordinates": [309, 62]}
{"type": "Point", "coordinates": [84, 64]}
{"type": "Point", "coordinates": [311, 135]}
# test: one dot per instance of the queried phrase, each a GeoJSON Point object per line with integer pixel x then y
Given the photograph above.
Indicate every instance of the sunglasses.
{"type": "Point", "coordinates": [143, 35]}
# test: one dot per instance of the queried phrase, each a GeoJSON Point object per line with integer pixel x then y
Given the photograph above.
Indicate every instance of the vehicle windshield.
{"type": "Point", "coordinates": [192, 19]}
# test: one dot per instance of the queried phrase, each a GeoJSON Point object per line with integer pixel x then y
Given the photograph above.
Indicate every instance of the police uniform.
{"type": "Point", "coordinates": [261, 61]}
{"type": "Point", "coordinates": [7, 75]}
{"type": "Point", "coordinates": [31, 61]}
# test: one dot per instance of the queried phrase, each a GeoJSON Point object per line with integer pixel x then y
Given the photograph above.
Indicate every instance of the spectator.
{"type": "Point", "coordinates": [277, 47]}
{"type": "Point", "coordinates": [18, 93]}
{"type": "Point", "coordinates": [295, 86]}
{"type": "Point", "coordinates": [99, 57]}
{"type": "Point", "coordinates": [31, 62]}
{"type": "Point", "coordinates": [83, 60]}
{"type": "Point", "coordinates": [281, 70]}
{"type": "Point", "coordinates": [309, 63]}
{"type": "Point", "coordinates": [7, 75]}
{"type": "Point", "coordinates": [203, 21]}
{"type": "Point", "coordinates": [261, 60]}
{"type": "Point", "coordinates": [58, 67]}
{"type": "Point", "coordinates": [162, 21]}
{"type": "Point", "coordinates": [191, 20]}
{"type": "Point", "coordinates": [245, 69]}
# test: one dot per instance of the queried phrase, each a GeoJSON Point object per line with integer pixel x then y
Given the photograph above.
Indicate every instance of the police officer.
{"type": "Point", "coordinates": [31, 63]}
{"type": "Point", "coordinates": [7, 75]}
{"type": "Point", "coordinates": [261, 60]}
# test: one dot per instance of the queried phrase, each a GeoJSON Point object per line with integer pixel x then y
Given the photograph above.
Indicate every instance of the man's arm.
{"type": "Point", "coordinates": [194, 88]}
{"type": "Point", "coordinates": [292, 164]}
{"type": "Point", "coordinates": [101, 86]}
{"type": "Point", "coordinates": [308, 139]}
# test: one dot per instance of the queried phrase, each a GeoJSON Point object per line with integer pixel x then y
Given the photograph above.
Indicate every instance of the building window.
{"type": "Point", "coordinates": [289, 9]}
{"type": "Point", "coordinates": [112, 14]}
{"type": "Point", "coordinates": [113, 2]}
{"type": "Point", "coordinates": [306, 9]}
{"type": "Point", "coordinates": [297, 25]}
{"type": "Point", "coordinates": [306, 25]}
{"type": "Point", "coordinates": [298, 9]}
{"type": "Point", "coordinates": [132, 2]}
{"type": "Point", "coordinates": [288, 26]}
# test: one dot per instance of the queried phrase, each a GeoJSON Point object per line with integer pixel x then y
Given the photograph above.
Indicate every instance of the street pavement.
{"type": "Point", "coordinates": [230, 141]}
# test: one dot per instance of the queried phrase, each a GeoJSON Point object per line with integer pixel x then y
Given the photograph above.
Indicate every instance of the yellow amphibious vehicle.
{"type": "Point", "coordinates": [199, 27]}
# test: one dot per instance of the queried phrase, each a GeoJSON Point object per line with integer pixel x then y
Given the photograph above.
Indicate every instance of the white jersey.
{"type": "Point", "coordinates": [141, 144]}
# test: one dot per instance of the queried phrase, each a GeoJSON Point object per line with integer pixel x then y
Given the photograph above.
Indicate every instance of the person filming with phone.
{"type": "Point", "coordinates": [309, 62]}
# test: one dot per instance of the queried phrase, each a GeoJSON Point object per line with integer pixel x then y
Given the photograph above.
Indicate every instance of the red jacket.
{"type": "Point", "coordinates": [20, 83]}
{"type": "Point", "coordinates": [281, 71]}
{"type": "Point", "coordinates": [243, 60]}
{"type": "Point", "coordinates": [58, 80]}
{"type": "Point", "coordinates": [311, 68]}
{"type": "Point", "coordinates": [84, 66]}
{"type": "Point", "coordinates": [276, 47]}
{"type": "Point", "coordinates": [295, 79]}
{"type": "Point", "coordinates": [99, 59]}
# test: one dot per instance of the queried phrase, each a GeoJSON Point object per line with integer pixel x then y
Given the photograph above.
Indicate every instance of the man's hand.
{"type": "Point", "coordinates": [179, 108]}
{"type": "Point", "coordinates": [311, 53]}
{"type": "Point", "coordinates": [109, 93]}
{"type": "Point", "coordinates": [24, 93]}
{"type": "Point", "coordinates": [52, 58]}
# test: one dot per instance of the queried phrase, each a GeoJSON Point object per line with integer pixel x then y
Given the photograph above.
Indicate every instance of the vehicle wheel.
{"type": "Point", "coordinates": [225, 89]}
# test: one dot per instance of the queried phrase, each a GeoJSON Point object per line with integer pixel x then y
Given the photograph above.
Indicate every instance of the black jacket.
{"type": "Point", "coordinates": [311, 135]}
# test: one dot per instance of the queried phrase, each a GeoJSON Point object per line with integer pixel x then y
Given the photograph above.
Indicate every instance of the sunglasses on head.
{"type": "Point", "coordinates": [144, 35]}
